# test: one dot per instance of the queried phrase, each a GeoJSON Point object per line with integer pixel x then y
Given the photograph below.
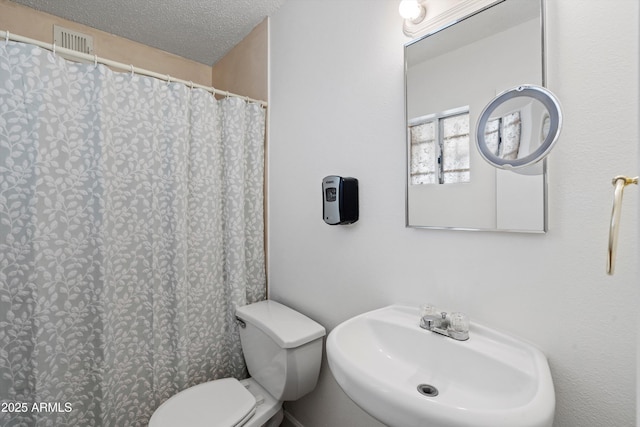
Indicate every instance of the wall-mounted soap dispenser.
{"type": "Point", "coordinates": [340, 200]}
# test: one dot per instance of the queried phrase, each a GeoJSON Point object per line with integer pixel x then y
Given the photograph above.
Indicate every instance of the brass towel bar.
{"type": "Point", "coordinates": [619, 182]}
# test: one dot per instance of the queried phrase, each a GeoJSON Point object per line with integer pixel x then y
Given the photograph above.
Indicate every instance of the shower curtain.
{"type": "Point", "coordinates": [131, 225]}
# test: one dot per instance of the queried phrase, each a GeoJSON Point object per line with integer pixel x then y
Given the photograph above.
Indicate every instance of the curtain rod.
{"type": "Point", "coordinates": [6, 35]}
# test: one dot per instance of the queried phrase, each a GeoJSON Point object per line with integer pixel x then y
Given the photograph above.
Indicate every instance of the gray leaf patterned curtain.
{"type": "Point", "coordinates": [131, 225]}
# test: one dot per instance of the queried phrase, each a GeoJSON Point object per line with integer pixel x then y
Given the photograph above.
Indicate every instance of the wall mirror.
{"type": "Point", "coordinates": [451, 74]}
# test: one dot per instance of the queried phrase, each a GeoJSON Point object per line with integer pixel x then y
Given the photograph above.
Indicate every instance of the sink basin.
{"type": "Point", "coordinates": [406, 376]}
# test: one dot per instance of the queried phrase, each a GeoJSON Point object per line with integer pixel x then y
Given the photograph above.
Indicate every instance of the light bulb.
{"type": "Point", "coordinates": [410, 9]}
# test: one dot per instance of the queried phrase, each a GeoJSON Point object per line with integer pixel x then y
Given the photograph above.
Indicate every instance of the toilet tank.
{"type": "Point", "coordinates": [282, 348]}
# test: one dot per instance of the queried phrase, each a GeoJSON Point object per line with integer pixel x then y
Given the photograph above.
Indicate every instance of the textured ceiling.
{"type": "Point", "coordinates": [201, 30]}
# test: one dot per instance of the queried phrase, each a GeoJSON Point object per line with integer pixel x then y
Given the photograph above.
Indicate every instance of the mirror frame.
{"type": "Point", "coordinates": [538, 93]}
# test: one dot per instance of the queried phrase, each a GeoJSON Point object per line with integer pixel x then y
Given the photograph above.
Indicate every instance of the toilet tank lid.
{"type": "Point", "coordinates": [285, 326]}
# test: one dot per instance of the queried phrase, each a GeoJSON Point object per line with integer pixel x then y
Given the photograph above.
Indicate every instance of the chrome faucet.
{"type": "Point", "coordinates": [454, 325]}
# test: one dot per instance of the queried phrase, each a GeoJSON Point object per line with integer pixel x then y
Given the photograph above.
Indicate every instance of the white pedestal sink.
{"type": "Point", "coordinates": [406, 376]}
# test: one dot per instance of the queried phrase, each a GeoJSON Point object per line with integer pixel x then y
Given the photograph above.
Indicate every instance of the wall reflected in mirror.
{"type": "Point", "coordinates": [450, 76]}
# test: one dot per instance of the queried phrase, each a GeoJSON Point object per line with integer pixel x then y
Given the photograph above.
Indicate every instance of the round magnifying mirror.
{"type": "Point", "coordinates": [519, 127]}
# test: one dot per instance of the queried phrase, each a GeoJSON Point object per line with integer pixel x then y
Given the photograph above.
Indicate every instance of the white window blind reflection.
{"type": "Point", "coordinates": [503, 135]}
{"type": "Point", "coordinates": [423, 154]}
{"type": "Point", "coordinates": [455, 149]}
{"type": "Point", "coordinates": [511, 125]}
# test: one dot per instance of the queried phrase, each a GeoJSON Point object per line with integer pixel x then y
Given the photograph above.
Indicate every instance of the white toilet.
{"type": "Point", "coordinates": [283, 350]}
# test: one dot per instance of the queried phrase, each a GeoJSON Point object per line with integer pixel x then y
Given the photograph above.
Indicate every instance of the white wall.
{"type": "Point", "coordinates": [336, 107]}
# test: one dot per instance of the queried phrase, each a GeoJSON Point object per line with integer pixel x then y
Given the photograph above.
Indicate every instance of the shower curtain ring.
{"type": "Point", "coordinates": [131, 70]}
{"type": "Point", "coordinates": [54, 49]}
{"type": "Point", "coordinates": [95, 60]}
{"type": "Point", "coordinates": [191, 84]}
{"type": "Point", "coordinates": [168, 79]}
{"type": "Point", "coordinates": [6, 37]}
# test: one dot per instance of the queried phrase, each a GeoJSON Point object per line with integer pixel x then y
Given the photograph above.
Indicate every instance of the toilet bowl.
{"type": "Point", "coordinates": [283, 350]}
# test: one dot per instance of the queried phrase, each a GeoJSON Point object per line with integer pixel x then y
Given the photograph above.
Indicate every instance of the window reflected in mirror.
{"type": "Point", "coordinates": [503, 135]}
{"type": "Point", "coordinates": [440, 148]}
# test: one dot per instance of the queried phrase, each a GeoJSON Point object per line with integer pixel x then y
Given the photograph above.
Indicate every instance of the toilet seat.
{"type": "Point", "coordinates": [224, 403]}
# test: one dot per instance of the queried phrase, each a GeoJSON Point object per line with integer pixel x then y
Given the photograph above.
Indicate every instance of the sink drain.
{"type": "Point", "coordinates": [428, 390]}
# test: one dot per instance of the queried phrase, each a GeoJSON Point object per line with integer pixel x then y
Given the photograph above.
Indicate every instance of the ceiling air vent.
{"type": "Point", "coordinates": [64, 37]}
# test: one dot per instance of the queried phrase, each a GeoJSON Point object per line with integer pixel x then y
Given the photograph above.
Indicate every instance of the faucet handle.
{"type": "Point", "coordinates": [459, 326]}
{"type": "Point", "coordinates": [428, 310]}
{"type": "Point", "coordinates": [459, 322]}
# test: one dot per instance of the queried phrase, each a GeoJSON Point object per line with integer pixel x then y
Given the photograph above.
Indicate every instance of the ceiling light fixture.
{"type": "Point", "coordinates": [413, 11]}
